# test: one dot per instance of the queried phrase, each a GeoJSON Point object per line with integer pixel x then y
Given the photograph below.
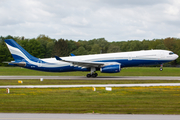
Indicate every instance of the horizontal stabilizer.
{"type": "Point", "coordinates": [21, 64]}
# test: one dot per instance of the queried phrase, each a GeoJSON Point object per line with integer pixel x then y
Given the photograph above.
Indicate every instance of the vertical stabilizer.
{"type": "Point", "coordinates": [19, 54]}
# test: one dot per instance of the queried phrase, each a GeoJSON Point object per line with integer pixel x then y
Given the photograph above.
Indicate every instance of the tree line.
{"type": "Point", "coordinates": [45, 47]}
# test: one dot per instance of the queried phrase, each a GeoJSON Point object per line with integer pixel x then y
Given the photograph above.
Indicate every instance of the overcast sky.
{"type": "Point", "coordinates": [114, 20]}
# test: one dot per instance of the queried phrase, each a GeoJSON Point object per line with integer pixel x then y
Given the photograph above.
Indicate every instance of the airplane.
{"type": "Point", "coordinates": [106, 63]}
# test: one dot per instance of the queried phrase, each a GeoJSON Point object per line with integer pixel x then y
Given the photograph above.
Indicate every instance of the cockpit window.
{"type": "Point", "coordinates": [171, 53]}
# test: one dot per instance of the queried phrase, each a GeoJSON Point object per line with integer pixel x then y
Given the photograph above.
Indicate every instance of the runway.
{"type": "Point", "coordinates": [98, 78]}
{"type": "Point", "coordinates": [26, 116]}
{"type": "Point", "coordinates": [91, 85]}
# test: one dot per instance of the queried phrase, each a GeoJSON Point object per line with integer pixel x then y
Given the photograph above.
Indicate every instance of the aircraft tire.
{"type": "Point", "coordinates": [161, 69]}
{"type": "Point", "coordinates": [94, 75]}
{"type": "Point", "coordinates": [88, 75]}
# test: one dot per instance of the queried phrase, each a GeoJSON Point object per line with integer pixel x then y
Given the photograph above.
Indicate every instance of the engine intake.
{"type": "Point", "coordinates": [115, 68]}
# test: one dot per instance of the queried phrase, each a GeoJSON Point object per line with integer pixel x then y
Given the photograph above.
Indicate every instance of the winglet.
{"type": "Point", "coordinates": [57, 58]}
{"type": "Point", "coordinates": [72, 54]}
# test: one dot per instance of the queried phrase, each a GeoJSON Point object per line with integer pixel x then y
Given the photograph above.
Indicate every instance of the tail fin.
{"type": "Point", "coordinates": [19, 54]}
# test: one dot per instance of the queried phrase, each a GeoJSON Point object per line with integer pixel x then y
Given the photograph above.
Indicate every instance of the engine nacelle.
{"type": "Point", "coordinates": [115, 68]}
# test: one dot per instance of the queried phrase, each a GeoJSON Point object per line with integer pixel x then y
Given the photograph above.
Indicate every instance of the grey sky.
{"type": "Point", "coordinates": [115, 20]}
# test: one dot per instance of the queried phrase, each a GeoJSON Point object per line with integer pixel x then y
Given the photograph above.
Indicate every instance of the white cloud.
{"type": "Point", "coordinates": [78, 19]}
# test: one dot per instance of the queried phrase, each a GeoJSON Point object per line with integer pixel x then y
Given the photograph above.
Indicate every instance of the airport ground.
{"type": "Point", "coordinates": [131, 71]}
{"type": "Point", "coordinates": [48, 116]}
{"type": "Point", "coordinates": [121, 100]}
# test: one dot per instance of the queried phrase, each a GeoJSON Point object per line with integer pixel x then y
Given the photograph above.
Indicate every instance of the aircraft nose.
{"type": "Point", "coordinates": [176, 56]}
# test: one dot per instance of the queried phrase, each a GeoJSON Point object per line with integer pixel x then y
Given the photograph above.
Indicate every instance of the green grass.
{"type": "Point", "coordinates": [130, 100]}
{"type": "Point", "coordinates": [78, 82]}
{"type": "Point", "coordinates": [122, 100]}
{"type": "Point", "coordinates": [134, 71]}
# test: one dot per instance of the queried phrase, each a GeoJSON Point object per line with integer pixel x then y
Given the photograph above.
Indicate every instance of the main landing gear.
{"type": "Point", "coordinates": [93, 73]}
{"type": "Point", "coordinates": [161, 67]}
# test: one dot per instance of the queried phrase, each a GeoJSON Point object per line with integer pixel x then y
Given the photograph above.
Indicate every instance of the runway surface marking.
{"type": "Point", "coordinates": [91, 85]}
{"type": "Point", "coordinates": [98, 78]}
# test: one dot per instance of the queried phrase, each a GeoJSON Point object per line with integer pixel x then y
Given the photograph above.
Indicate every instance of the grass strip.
{"type": "Point", "coordinates": [121, 100]}
{"type": "Point", "coordinates": [132, 71]}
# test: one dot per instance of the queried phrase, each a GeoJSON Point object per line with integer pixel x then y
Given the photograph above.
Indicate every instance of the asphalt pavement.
{"type": "Point", "coordinates": [27, 116]}
{"type": "Point", "coordinates": [97, 78]}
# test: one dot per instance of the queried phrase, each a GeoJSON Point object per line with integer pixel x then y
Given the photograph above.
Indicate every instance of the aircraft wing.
{"type": "Point", "coordinates": [82, 63]}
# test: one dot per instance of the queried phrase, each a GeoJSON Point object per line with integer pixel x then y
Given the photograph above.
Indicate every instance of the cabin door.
{"type": "Point", "coordinates": [39, 63]}
{"type": "Point", "coordinates": [162, 54]}
{"type": "Point", "coordinates": [129, 56]}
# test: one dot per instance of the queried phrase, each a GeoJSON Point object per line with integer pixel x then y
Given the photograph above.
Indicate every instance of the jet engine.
{"type": "Point", "coordinates": [114, 68]}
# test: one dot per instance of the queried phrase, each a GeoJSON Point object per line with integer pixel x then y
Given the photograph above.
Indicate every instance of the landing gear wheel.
{"type": "Point", "coordinates": [91, 75]}
{"type": "Point", "coordinates": [94, 75]}
{"type": "Point", "coordinates": [88, 75]}
{"type": "Point", "coordinates": [161, 67]}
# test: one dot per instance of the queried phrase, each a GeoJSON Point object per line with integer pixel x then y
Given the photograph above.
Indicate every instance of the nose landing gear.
{"type": "Point", "coordinates": [161, 67]}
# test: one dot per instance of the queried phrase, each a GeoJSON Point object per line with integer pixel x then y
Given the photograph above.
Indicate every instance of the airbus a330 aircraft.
{"type": "Point", "coordinates": [106, 63]}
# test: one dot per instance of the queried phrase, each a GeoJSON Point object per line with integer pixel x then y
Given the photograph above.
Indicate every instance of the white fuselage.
{"type": "Point", "coordinates": [106, 63]}
{"type": "Point", "coordinates": [126, 59]}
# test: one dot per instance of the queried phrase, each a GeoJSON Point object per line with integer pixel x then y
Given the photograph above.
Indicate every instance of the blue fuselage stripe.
{"type": "Point", "coordinates": [124, 63]}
